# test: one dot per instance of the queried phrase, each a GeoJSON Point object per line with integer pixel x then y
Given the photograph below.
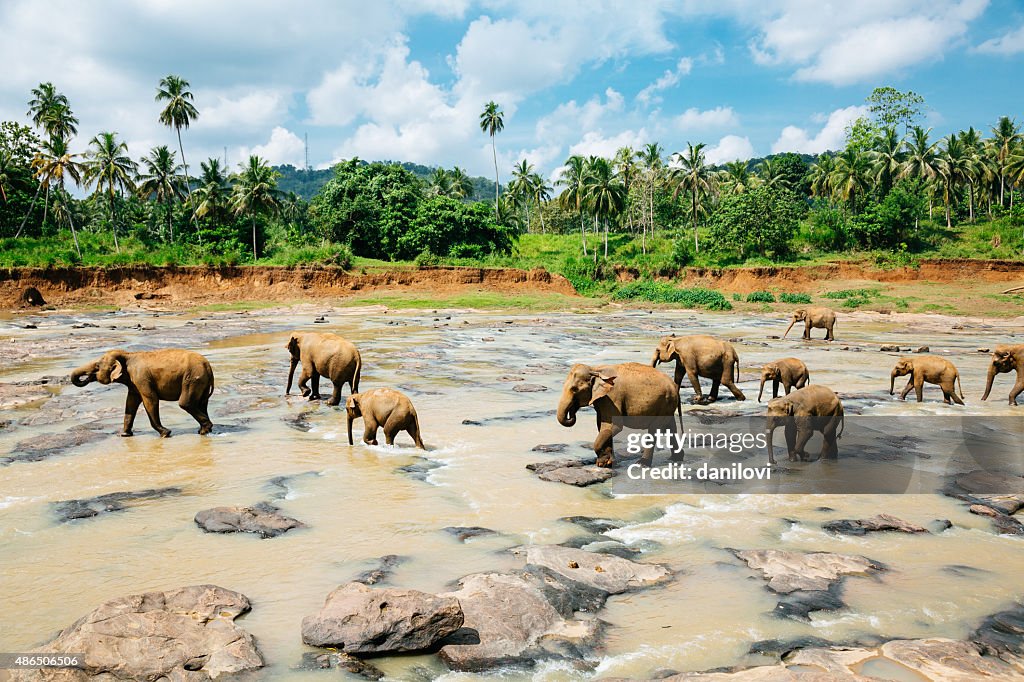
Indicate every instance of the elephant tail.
{"type": "Point", "coordinates": [418, 439]}
{"type": "Point", "coordinates": [355, 375]}
{"type": "Point", "coordinates": [736, 361]}
{"type": "Point", "coordinates": [209, 391]}
{"type": "Point", "coordinates": [960, 385]}
{"type": "Point", "coordinates": [842, 425]}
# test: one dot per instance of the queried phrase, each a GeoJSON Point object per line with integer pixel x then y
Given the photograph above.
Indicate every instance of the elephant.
{"type": "Point", "coordinates": [815, 316]}
{"type": "Point", "coordinates": [152, 376]}
{"type": "Point", "coordinates": [701, 356]}
{"type": "Point", "coordinates": [1006, 358]}
{"type": "Point", "coordinates": [383, 407]}
{"type": "Point", "coordinates": [930, 368]}
{"type": "Point", "coordinates": [789, 371]}
{"type": "Point", "coordinates": [802, 412]}
{"type": "Point", "coordinates": [326, 355]}
{"type": "Point", "coordinates": [616, 392]}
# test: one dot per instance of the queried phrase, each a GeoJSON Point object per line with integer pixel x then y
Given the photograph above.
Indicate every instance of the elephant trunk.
{"type": "Point", "coordinates": [567, 411]}
{"type": "Point", "coordinates": [84, 375]}
{"type": "Point", "coordinates": [771, 447]}
{"type": "Point", "coordinates": [761, 392]}
{"type": "Point", "coordinates": [992, 371]}
{"type": "Point", "coordinates": [656, 360]}
{"type": "Point", "coordinates": [291, 373]}
{"type": "Point", "coordinates": [892, 382]}
{"type": "Point", "coordinates": [789, 327]}
{"type": "Point", "coordinates": [351, 418]}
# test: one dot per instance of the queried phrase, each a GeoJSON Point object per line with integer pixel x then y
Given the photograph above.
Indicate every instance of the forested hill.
{"type": "Point", "coordinates": [306, 183]}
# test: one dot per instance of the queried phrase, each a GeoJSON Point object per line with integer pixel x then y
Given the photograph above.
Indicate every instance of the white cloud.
{"type": "Point", "coordinates": [730, 148]}
{"type": "Point", "coordinates": [695, 119]}
{"type": "Point", "coordinates": [594, 143]}
{"type": "Point", "coordinates": [569, 118]}
{"type": "Point", "coordinates": [284, 147]}
{"type": "Point", "coordinates": [255, 109]}
{"type": "Point", "coordinates": [1006, 45]}
{"type": "Point", "coordinates": [832, 136]}
{"type": "Point", "coordinates": [667, 80]}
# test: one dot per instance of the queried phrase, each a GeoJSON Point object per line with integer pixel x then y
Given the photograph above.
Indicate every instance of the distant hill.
{"type": "Point", "coordinates": [307, 182]}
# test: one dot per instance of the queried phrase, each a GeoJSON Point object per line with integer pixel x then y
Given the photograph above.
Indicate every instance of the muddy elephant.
{"type": "Point", "coordinates": [802, 412]}
{"type": "Point", "coordinates": [629, 390]}
{"type": "Point", "coordinates": [931, 369]}
{"type": "Point", "coordinates": [152, 376]}
{"type": "Point", "coordinates": [383, 407]}
{"type": "Point", "coordinates": [790, 372]}
{"type": "Point", "coordinates": [822, 318]}
{"type": "Point", "coordinates": [327, 355]}
{"type": "Point", "coordinates": [701, 356]}
{"type": "Point", "coordinates": [1007, 358]}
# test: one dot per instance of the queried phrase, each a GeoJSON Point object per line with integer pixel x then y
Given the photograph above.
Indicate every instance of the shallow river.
{"type": "Point", "coordinates": [359, 504]}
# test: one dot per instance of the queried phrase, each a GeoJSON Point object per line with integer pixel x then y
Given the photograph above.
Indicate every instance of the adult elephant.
{"type": "Point", "coordinates": [790, 372]}
{"type": "Point", "coordinates": [1007, 358]}
{"type": "Point", "coordinates": [152, 376]}
{"type": "Point", "coordinates": [701, 356]}
{"type": "Point", "coordinates": [326, 355]}
{"type": "Point", "coordinates": [930, 368]}
{"type": "Point", "coordinates": [814, 317]}
{"type": "Point", "coordinates": [802, 412]}
{"type": "Point", "coordinates": [619, 392]}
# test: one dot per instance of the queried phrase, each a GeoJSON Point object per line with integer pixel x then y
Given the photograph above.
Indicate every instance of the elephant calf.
{"type": "Point", "coordinates": [789, 371]}
{"type": "Point", "coordinates": [802, 412]}
{"type": "Point", "coordinates": [152, 376]}
{"type": "Point", "coordinates": [702, 356]}
{"type": "Point", "coordinates": [930, 368]}
{"type": "Point", "coordinates": [383, 407]}
{"type": "Point", "coordinates": [326, 355]}
{"type": "Point", "coordinates": [815, 316]}
{"type": "Point", "coordinates": [1006, 358]}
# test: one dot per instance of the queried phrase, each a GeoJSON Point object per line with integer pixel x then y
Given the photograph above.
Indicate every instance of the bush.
{"type": "Point", "coordinates": [760, 297]}
{"type": "Point", "coordinates": [663, 292]}
{"type": "Point", "coordinates": [828, 229]}
{"type": "Point", "coordinates": [761, 222]}
{"type": "Point", "coordinates": [794, 298]}
{"type": "Point", "coordinates": [850, 293]}
{"type": "Point", "coordinates": [682, 253]}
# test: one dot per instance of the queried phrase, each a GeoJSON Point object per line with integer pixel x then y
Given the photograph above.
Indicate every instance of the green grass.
{"type": "Point", "coordinates": [794, 298]}
{"type": "Point", "coordinates": [760, 297]}
{"type": "Point", "coordinates": [663, 292]}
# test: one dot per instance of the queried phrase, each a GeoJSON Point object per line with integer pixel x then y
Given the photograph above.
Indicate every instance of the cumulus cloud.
{"type": "Point", "coordinates": [1006, 45]}
{"type": "Point", "coordinates": [667, 80]}
{"type": "Point", "coordinates": [831, 136]}
{"type": "Point", "coordinates": [569, 117]}
{"type": "Point", "coordinates": [284, 147]}
{"type": "Point", "coordinates": [695, 119]}
{"type": "Point", "coordinates": [251, 110]}
{"type": "Point", "coordinates": [594, 143]}
{"type": "Point", "coordinates": [730, 148]}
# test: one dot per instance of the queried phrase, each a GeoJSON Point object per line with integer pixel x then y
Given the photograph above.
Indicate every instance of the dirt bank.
{"type": "Point", "coordinates": [188, 286]}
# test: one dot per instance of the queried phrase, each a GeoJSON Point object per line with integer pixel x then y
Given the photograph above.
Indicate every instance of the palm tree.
{"type": "Point", "coordinates": [972, 146]}
{"type": "Point", "coordinates": [178, 113]}
{"type": "Point", "coordinates": [161, 180]}
{"type": "Point", "coordinates": [6, 164]}
{"type": "Point", "coordinates": [440, 183]}
{"type": "Point", "coordinates": [652, 165]}
{"type": "Point", "coordinates": [604, 194]}
{"type": "Point", "coordinates": [1006, 135]}
{"type": "Point", "coordinates": [852, 176]}
{"type": "Point", "coordinates": [571, 177]}
{"type": "Point", "coordinates": [887, 159]}
{"type": "Point", "coordinates": [627, 170]}
{"type": "Point", "coordinates": [51, 113]}
{"type": "Point", "coordinates": [735, 177]}
{"type": "Point", "coordinates": [492, 122]}
{"type": "Point", "coordinates": [541, 194]}
{"type": "Point", "coordinates": [255, 191]}
{"type": "Point", "coordinates": [693, 175]}
{"type": "Point", "coordinates": [821, 177]}
{"type": "Point", "coordinates": [954, 165]}
{"type": "Point", "coordinates": [109, 167]}
{"type": "Point", "coordinates": [462, 185]}
{"type": "Point", "coordinates": [44, 99]}
{"type": "Point", "coordinates": [53, 165]}
{"type": "Point", "coordinates": [214, 191]}
{"type": "Point", "coordinates": [770, 174]}
{"type": "Point", "coordinates": [921, 160]}
{"type": "Point", "coordinates": [522, 186]}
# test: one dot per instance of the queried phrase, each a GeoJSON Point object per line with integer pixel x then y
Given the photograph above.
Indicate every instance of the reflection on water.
{"type": "Point", "coordinates": [361, 503]}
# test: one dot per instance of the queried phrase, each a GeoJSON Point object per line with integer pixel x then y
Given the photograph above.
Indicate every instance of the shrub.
{"type": "Point", "coordinates": [682, 254]}
{"type": "Point", "coordinates": [828, 229]}
{"type": "Point", "coordinates": [850, 293]}
{"type": "Point", "coordinates": [760, 297]}
{"type": "Point", "coordinates": [737, 297]}
{"type": "Point", "coordinates": [663, 292]}
{"type": "Point", "coordinates": [794, 298]}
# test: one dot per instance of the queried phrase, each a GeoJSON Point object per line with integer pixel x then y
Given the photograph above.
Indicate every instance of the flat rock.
{"type": "Point", "coordinates": [549, 447]}
{"type": "Point", "coordinates": [382, 571]}
{"type": "Point", "coordinates": [605, 572]}
{"type": "Point", "coordinates": [788, 571]}
{"type": "Point", "coordinates": [592, 524]}
{"type": "Point", "coordinates": [365, 620]}
{"type": "Point", "coordinates": [890, 349]}
{"type": "Point", "coordinates": [70, 510]}
{"type": "Point", "coordinates": [529, 388]}
{"type": "Point", "coordinates": [577, 476]}
{"type": "Point", "coordinates": [874, 524]}
{"type": "Point", "coordinates": [262, 519]}
{"type": "Point", "coordinates": [184, 634]}
{"type": "Point", "coordinates": [463, 533]}
{"type": "Point", "coordinates": [47, 445]}
{"type": "Point", "coordinates": [541, 467]}
{"type": "Point", "coordinates": [14, 395]}
{"type": "Point", "coordinates": [923, 349]}
{"type": "Point", "coordinates": [312, 660]}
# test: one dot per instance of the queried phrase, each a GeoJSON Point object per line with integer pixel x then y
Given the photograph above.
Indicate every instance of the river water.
{"type": "Point", "coordinates": [359, 505]}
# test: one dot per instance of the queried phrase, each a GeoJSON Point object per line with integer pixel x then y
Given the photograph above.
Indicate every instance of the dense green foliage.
{"type": "Point", "coordinates": [761, 221]}
{"type": "Point", "coordinates": [663, 292]}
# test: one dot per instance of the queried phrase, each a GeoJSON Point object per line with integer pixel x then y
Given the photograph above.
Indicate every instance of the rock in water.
{"type": "Point", "coordinates": [263, 519]}
{"type": "Point", "coordinates": [788, 571]}
{"type": "Point", "coordinates": [183, 634]}
{"type": "Point", "coordinates": [577, 472]}
{"type": "Point", "coordinates": [363, 620]}
{"type": "Point", "coordinates": [32, 298]}
{"type": "Point", "coordinates": [605, 572]}
{"type": "Point", "coordinates": [881, 522]}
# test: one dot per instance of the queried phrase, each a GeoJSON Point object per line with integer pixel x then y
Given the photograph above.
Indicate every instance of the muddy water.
{"type": "Point", "coordinates": [360, 505]}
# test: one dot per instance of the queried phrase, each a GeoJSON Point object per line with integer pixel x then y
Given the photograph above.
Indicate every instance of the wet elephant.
{"type": "Point", "coordinates": [701, 356]}
{"type": "Point", "coordinates": [802, 412]}
{"type": "Point", "coordinates": [931, 369]}
{"type": "Point", "coordinates": [387, 408]}
{"type": "Point", "coordinates": [616, 392]}
{"type": "Point", "coordinates": [1007, 358]}
{"type": "Point", "coordinates": [814, 317]}
{"type": "Point", "coordinates": [152, 376]}
{"type": "Point", "coordinates": [326, 355]}
{"type": "Point", "coordinates": [790, 372]}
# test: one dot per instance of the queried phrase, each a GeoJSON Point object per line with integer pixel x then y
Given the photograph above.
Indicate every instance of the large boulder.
{"type": "Point", "coordinates": [788, 571]}
{"type": "Point", "coordinates": [183, 634]}
{"type": "Point", "coordinates": [605, 572]}
{"type": "Point", "coordinates": [359, 619]}
{"type": "Point", "coordinates": [262, 519]}
{"type": "Point", "coordinates": [874, 524]}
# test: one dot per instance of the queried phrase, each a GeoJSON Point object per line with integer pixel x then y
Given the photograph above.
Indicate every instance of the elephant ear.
{"type": "Point", "coordinates": [117, 370]}
{"type": "Point", "coordinates": [603, 384]}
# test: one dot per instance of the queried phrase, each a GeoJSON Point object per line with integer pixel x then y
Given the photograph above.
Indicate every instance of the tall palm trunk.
{"type": "Point", "coordinates": [494, 155]}
{"type": "Point", "coordinates": [605, 221]}
{"type": "Point", "coordinates": [583, 234]}
{"type": "Point", "coordinates": [31, 205]}
{"type": "Point", "coordinates": [970, 201]}
{"type": "Point", "coordinates": [696, 244]}
{"type": "Point", "coordinates": [74, 233]}
{"type": "Point", "coordinates": [46, 206]}
{"type": "Point", "coordinates": [113, 222]}
{"type": "Point", "coordinates": [253, 217]}
{"type": "Point", "coordinates": [540, 212]}
{"type": "Point", "coordinates": [188, 186]}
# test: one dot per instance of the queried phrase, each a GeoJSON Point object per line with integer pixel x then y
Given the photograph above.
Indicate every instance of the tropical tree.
{"type": "Point", "coordinates": [628, 172]}
{"type": "Point", "coordinates": [652, 166]}
{"type": "Point", "coordinates": [161, 181]}
{"type": "Point", "coordinates": [954, 165]}
{"type": "Point", "coordinates": [821, 177]}
{"type": "Point", "coordinates": [440, 183]}
{"type": "Point", "coordinates": [971, 140]}
{"type": "Point", "coordinates": [214, 191]}
{"type": "Point", "coordinates": [462, 185]}
{"type": "Point", "coordinates": [886, 159]}
{"type": "Point", "coordinates": [852, 176]}
{"type": "Point", "coordinates": [692, 175]}
{"type": "Point", "coordinates": [603, 192]}
{"type": "Point", "coordinates": [1006, 136]}
{"type": "Point", "coordinates": [178, 113]}
{"type": "Point", "coordinates": [541, 194]}
{"type": "Point", "coordinates": [921, 161]}
{"type": "Point", "coordinates": [492, 122]}
{"type": "Point", "coordinates": [735, 177]}
{"type": "Point", "coordinates": [6, 165]}
{"type": "Point", "coordinates": [571, 178]}
{"type": "Point", "coordinates": [522, 186]}
{"type": "Point", "coordinates": [109, 168]}
{"type": "Point", "coordinates": [255, 192]}
{"type": "Point", "coordinates": [44, 99]}
{"type": "Point", "coordinates": [51, 113]}
{"type": "Point", "coordinates": [53, 165]}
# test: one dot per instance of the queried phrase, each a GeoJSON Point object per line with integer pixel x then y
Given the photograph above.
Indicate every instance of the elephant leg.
{"type": "Point", "coordinates": [152, 405]}
{"type": "Point", "coordinates": [828, 335]}
{"type": "Point", "coordinates": [829, 448]}
{"type": "Point", "coordinates": [304, 376]}
{"type": "Point", "coordinates": [204, 411]}
{"type": "Point", "coordinates": [807, 331]}
{"type": "Point", "coordinates": [695, 382]}
{"type": "Point", "coordinates": [603, 445]}
{"type": "Point", "coordinates": [392, 425]}
{"type": "Point", "coordinates": [314, 382]}
{"type": "Point", "coordinates": [195, 405]}
{"type": "Point", "coordinates": [919, 388]}
{"type": "Point", "coordinates": [733, 388]}
{"type": "Point", "coordinates": [791, 439]}
{"type": "Point", "coordinates": [1017, 389]}
{"type": "Point", "coordinates": [906, 389]}
{"type": "Point", "coordinates": [131, 408]}
{"type": "Point", "coordinates": [804, 433]}
{"type": "Point", "coordinates": [775, 388]}
{"type": "Point", "coordinates": [335, 398]}
{"type": "Point", "coordinates": [369, 430]}
{"type": "Point", "coordinates": [715, 384]}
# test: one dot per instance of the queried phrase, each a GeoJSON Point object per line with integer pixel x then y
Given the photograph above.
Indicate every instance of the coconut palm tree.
{"type": "Point", "coordinates": [1006, 135]}
{"type": "Point", "coordinates": [735, 177]}
{"type": "Point", "coordinates": [954, 164]}
{"type": "Point", "coordinates": [821, 177]}
{"type": "Point", "coordinates": [604, 194]}
{"type": "Point", "coordinates": [852, 176]}
{"type": "Point", "coordinates": [108, 167]}
{"type": "Point", "coordinates": [255, 192]}
{"type": "Point", "coordinates": [541, 194]}
{"type": "Point", "coordinates": [178, 113]}
{"type": "Point", "coordinates": [214, 190]}
{"type": "Point", "coordinates": [770, 174]}
{"type": "Point", "coordinates": [692, 175]}
{"type": "Point", "coordinates": [921, 161]}
{"type": "Point", "coordinates": [51, 113]}
{"type": "Point", "coordinates": [571, 178]}
{"type": "Point", "coordinates": [492, 122]}
{"type": "Point", "coordinates": [44, 99]}
{"type": "Point", "coordinates": [628, 171]}
{"type": "Point", "coordinates": [886, 159]}
{"type": "Point", "coordinates": [6, 164]}
{"type": "Point", "coordinates": [971, 140]}
{"type": "Point", "coordinates": [652, 166]}
{"type": "Point", "coordinates": [161, 181]}
{"type": "Point", "coordinates": [462, 185]}
{"type": "Point", "coordinates": [522, 186]}
{"type": "Point", "coordinates": [54, 164]}
{"type": "Point", "coordinates": [440, 183]}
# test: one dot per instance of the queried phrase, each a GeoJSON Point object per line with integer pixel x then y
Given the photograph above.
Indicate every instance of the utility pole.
{"type": "Point", "coordinates": [225, 159]}
{"type": "Point", "coordinates": [306, 136]}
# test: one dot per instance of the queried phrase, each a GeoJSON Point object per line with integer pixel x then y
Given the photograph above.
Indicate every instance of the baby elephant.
{"type": "Point", "coordinates": [326, 355]}
{"type": "Point", "coordinates": [383, 407]}
{"type": "Point", "coordinates": [802, 412]}
{"type": "Point", "coordinates": [152, 376]}
{"type": "Point", "coordinates": [930, 368]}
{"type": "Point", "coordinates": [789, 371]}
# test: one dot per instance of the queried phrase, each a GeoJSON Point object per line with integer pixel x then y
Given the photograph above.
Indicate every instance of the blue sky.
{"type": "Point", "coordinates": [407, 79]}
